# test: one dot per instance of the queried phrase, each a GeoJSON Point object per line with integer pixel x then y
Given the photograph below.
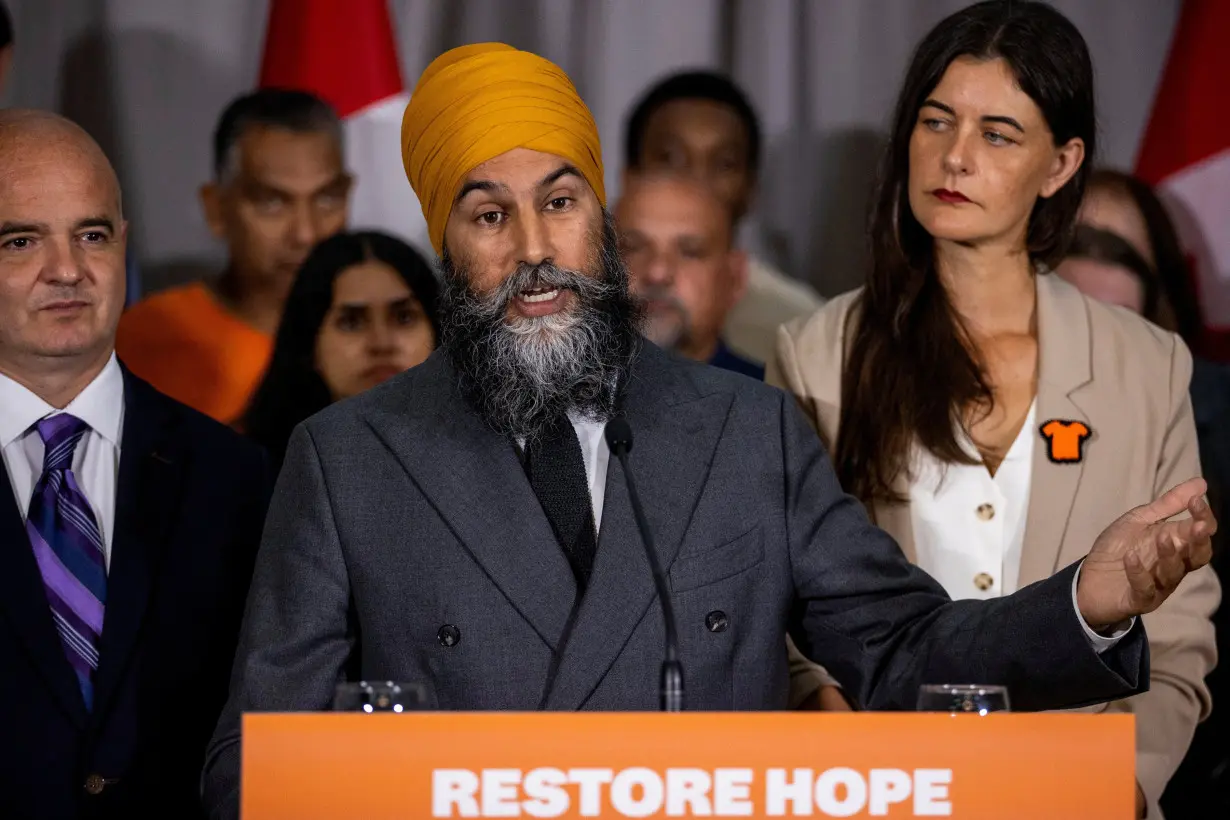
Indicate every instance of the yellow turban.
{"type": "Point", "coordinates": [476, 102]}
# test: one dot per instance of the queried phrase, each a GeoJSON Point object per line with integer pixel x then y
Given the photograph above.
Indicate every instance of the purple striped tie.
{"type": "Point", "coordinates": [69, 549]}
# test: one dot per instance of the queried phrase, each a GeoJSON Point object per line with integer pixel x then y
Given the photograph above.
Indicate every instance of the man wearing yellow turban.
{"type": "Point", "coordinates": [464, 527]}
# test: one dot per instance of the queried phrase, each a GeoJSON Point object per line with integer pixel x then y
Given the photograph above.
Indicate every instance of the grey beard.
{"type": "Point", "coordinates": [521, 375]}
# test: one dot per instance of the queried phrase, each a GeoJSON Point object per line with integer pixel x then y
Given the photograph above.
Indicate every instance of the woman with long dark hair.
{"type": "Point", "coordinates": [362, 310]}
{"type": "Point", "coordinates": [990, 416]}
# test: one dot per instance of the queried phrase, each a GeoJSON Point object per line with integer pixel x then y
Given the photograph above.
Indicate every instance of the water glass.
{"type": "Point", "coordinates": [958, 699]}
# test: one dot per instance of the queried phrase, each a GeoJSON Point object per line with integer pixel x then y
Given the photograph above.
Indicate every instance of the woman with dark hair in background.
{"type": "Point", "coordinates": [990, 416]}
{"type": "Point", "coordinates": [1127, 244]}
{"type": "Point", "coordinates": [362, 310]}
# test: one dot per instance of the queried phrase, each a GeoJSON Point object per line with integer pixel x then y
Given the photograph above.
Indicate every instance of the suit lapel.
{"type": "Point", "coordinates": [23, 599]}
{"type": "Point", "coordinates": [475, 481]}
{"type": "Point", "coordinates": [147, 496]}
{"type": "Point", "coordinates": [1064, 367]}
{"type": "Point", "coordinates": [675, 433]}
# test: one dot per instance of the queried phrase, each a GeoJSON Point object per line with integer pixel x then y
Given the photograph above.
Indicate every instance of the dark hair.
{"type": "Point", "coordinates": [292, 389]}
{"type": "Point", "coordinates": [909, 376]}
{"type": "Point", "coordinates": [1106, 246]}
{"type": "Point", "coordinates": [1169, 261]}
{"type": "Point", "coordinates": [6, 26]}
{"type": "Point", "coordinates": [284, 108]}
{"type": "Point", "coordinates": [691, 85]}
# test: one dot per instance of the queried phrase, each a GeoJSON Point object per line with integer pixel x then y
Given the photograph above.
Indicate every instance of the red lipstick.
{"type": "Point", "coordinates": [951, 197]}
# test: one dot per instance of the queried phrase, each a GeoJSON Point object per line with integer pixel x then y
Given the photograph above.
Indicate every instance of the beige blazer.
{"type": "Point", "coordinates": [1127, 381]}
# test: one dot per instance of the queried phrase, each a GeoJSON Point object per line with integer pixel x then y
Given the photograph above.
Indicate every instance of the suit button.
{"type": "Point", "coordinates": [985, 511]}
{"type": "Point", "coordinates": [448, 635]}
{"type": "Point", "coordinates": [716, 621]}
{"type": "Point", "coordinates": [983, 581]}
{"type": "Point", "coordinates": [94, 784]}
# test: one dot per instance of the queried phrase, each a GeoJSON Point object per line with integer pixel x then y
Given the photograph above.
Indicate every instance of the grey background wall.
{"type": "Point", "coordinates": [149, 77]}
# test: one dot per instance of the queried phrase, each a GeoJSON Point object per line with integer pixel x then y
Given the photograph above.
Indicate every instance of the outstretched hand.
{"type": "Point", "coordinates": [1139, 560]}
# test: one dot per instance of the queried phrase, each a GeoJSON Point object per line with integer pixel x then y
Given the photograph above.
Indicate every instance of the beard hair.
{"type": "Point", "coordinates": [522, 374]}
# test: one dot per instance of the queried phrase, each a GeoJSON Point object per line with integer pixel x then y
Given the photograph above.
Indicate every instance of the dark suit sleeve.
{"type": "Point", "coordinates": [883, 627]}
{"type": "Point", "coordinates": [297, 637]}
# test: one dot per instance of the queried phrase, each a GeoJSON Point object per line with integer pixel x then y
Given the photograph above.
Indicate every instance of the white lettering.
{"type": "Point", "coordinates": [687, 793]}
{"type": "Point", "coordinates": [545, 793]}
{"type": "Point", "coordinates": [931, 792]}
{"type": "Point", "coordinates": [454, 789]}
{"type": "Point", "coordinates": [500, 792]}
{"type": "Point", "coordinates": [826, 792]}
{"type": "Point", "coordinates": [591, 782]}
{"type": "Point", "coordinates": [652, 792]}
{"type": "Point", "coordinates": [797, 791]}
{"type": "Point", "coordinates": [731, 796]}
{"type": "Point", "coordinates": [887, 786]}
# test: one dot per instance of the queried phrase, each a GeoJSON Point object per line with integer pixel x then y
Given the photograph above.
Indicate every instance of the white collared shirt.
{"type": "Point", "coordinates": [969, 526]}
{"type": "Point", "coordinates": [96, 460]}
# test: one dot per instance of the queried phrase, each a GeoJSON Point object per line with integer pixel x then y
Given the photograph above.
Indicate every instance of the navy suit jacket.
{"type": "Point", "coordinates": [190, 505]}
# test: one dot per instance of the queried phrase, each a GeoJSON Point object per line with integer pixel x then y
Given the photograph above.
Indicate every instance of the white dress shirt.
{"type": "Point", "coordinates": [969, 525]}
{"type": "Point", "coordinates": [96, 460]}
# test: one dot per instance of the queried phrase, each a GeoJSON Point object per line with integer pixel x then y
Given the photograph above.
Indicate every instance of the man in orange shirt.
{"type": "Point", "coordinates": [279, 187]}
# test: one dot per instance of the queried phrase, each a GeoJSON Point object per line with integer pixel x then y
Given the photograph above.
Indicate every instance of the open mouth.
{"type": "Point", "coordinates": [537, 295]}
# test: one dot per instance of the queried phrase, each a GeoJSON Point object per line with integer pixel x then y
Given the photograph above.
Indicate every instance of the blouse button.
{"type": "Point", "coordinates": [985, 511]}
{"type": "Point", "coordinates": [983, 581]}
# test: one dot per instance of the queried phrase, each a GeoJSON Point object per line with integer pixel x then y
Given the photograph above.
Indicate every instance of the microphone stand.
{"type": "Point", "coordinates": [619, 439]}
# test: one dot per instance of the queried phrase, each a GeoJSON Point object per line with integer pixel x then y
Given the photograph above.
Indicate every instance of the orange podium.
{"type": "Point", "coordinates": [431, 764]}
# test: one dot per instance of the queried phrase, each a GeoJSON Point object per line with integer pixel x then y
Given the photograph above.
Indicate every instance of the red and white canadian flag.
{"type": "Point", "coordinates": [344, 52]}
{"type": "Point", "coordinates": [1186, 156]}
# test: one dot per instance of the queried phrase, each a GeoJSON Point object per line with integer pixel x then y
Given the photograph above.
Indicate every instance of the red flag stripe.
{"type": "Point", "coordinates": [1190, 121]}
{"type": "Point", "coordinates": [341, 50]}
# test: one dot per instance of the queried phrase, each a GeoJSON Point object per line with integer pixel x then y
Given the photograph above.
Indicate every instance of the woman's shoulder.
{"type": "Point", "coordinates": [811, 351]}
{"type": "Point", "coordinates": [1129, 339]}
{"type": "Point", "coordinates": [822, 332]}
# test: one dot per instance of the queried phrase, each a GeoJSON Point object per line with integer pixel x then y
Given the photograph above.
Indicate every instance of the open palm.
{"type": "Point", "coordinates": [1139, 560]}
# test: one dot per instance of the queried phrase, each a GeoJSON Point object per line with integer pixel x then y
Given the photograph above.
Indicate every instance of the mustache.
{"type": "Point", "coordinates": [545, 276]}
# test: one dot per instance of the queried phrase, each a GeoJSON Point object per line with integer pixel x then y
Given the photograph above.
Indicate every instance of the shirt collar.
{"type": "Point", "coordinates": [100, 405]}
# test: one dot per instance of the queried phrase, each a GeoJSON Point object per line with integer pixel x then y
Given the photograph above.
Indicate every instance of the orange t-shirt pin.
{"type": "Point", "coordinates": [1065, 440]}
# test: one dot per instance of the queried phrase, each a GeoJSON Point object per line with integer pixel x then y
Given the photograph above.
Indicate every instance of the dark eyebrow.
{"type": "Point", "coordinates": [1008, 121]}
{"type": "Point", "coordinates": [9, 228]}
{"type": "Point", "coordinates": [96, 222]}
{"type": "Point", "coordinates": [947, 109]}
{"type": "Point", "coordinates": [480, 185]}
{"type": "Point", "coordinates": [560, 172]}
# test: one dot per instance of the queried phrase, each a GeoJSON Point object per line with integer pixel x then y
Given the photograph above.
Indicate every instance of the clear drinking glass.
{"type": "Point", "coordinates": [958, 699]}
{"type": "Point", "coordinates": [379, 696]}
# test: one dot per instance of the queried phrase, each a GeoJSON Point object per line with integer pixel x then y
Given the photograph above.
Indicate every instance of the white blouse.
{"type": "Point", "coordinates": [969, 526]}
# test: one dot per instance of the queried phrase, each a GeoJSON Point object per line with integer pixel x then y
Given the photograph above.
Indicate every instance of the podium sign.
{"type": "Point", "coordinates": [429, 765]}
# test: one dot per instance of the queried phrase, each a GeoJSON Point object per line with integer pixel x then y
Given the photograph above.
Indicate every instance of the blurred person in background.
{"type": "Point", "coordinates": [991, 416]}
{"type": "Point", "coordinates": [1128, 208]}
{"type": "Point", "coordinates": [128, 522]}
{"type": "Point", "coordinates": [362, 310]}
{"type": "Point", "coordinates": [279, 187]}
{"type": "Point", "coordinates": [677, 239]}
{"type": "Point", "coordinates": [701, 124]}
{"type": "Point", "coordinates": [1148, 274]}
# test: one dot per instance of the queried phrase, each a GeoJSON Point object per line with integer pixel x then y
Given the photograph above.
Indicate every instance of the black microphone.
{"type": "Point", "coordinates": [619, 439]}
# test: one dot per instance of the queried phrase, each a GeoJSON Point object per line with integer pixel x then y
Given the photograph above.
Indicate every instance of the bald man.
{"type": "Point", "coordinates": [464, 526]}
{"type": "Point", "coordinates": [128, 523]}
{"type": "Point", "coordinates": [678, 242]}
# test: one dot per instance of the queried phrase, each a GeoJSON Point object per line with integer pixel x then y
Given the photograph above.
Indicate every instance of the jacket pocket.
{"type": "Point", "coordinates": [709, 567]}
